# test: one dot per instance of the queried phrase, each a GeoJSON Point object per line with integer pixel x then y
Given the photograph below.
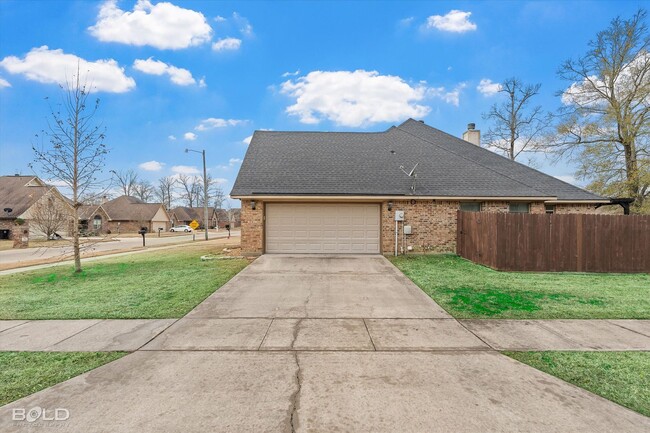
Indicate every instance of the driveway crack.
{"type": "Point", "coordinates": [296, 331]}
{"type": "Point", "coordinates": [295, 397]}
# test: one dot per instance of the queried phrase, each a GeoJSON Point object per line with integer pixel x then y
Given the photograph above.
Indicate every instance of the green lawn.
{"type": "Point", "coordinates": [468, 290]}
{"type": "Point", "coordinates": [623, 377]}
{"type": "Point", "coordinates": [24, 373]}
{"type": "Point", "coordinates": [161, 284]}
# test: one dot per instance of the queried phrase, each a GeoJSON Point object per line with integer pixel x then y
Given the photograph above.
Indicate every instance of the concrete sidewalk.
{"type": "Point", "coordinates": [79, 335]}
{"type": "Point", "coordinates": [323, 334]}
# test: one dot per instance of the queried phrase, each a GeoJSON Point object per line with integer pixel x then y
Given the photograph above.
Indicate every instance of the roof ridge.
{"type": "Point", "coordinates": [507, 160]}
{"type": "Point", "coordinates": [542, 194]}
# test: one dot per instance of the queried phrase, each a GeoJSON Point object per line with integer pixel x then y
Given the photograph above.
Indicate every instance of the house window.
{"type": "Point", "coordinates": [519, 207]}
{"type": "Point", "coordinates": [550, 208]}
{"type": "Point", "coordinates": [470, 206]}
{"type": "Point", "coordinates": [97, 222]}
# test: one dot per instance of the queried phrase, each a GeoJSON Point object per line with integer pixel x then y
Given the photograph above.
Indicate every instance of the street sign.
{"type": "Point", "coordinates": [194, 224]}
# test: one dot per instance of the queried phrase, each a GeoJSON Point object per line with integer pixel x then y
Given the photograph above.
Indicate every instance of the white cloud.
{"type": "Point", "coordinates": [291, 74]}
{"type": "Point", "coordinates": [212, 122]}
{"type": "Point", "coordinates": [179, 76]}
{"type": "Point", "coordinates": [151, 166]}
{"type": "Point", "coordinates": [454, 21]}
{"type": "Point", "coordinates": [4, 83]}
{"type": "Point", "coordinates": [231, 163]}
{"type": "Point", "coordinates": [488, 88]}
{"type": "Point", "coordinates": [243, 25]}
{"type": "Point", "coordinates": [54, 66]}
{"type": "Point", "coordinates": [449, 96]}
{"type": "Point", "coordinates": [190, 136]}
{"type": "Point", "coordinates": [406, 22]}
{"type": "Point", "coordinates": [227, 44]}
{"type": "Point", "coordinates": [172, 137]}
{"type": "Point", "coordinates": [185, 169]}
{"type": "Point", "coordinates": [219, 19]}
{"type": "Point", "coordinates": [220, 180]}
{"type": "Point", "coordinates": [354, 98]}
{"type": "Point", "coordinates": [247, 140]}
{"type": "Point", "coordinates": [163, 25]}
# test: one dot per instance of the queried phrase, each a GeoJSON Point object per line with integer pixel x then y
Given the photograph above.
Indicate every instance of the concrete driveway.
{"type": "Point", "coordinates": [319, 344]}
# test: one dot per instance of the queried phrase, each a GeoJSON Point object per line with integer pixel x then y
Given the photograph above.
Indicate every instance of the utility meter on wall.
{"type": "Point", "coordinates": [399, 215]}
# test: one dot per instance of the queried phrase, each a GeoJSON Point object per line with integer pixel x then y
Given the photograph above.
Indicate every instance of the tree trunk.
{"type": "Point", "coordinates": [632, 174]}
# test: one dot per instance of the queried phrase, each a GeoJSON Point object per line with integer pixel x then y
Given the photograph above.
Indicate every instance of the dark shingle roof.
{"type": "Point", "coordinates": [186, 213]}
{"type": "Point", "coordinates": [19, 193]}
{"type": "Point", "coordinates": [126, 208]}
{"type": "Point", "coordinates": [345, 163]}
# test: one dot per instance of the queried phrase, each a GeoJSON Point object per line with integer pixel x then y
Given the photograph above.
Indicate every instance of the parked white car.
{"type": "Point", "coordinates": [181, 229]}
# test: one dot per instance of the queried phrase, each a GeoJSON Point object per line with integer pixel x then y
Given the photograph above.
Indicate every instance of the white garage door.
{"type": "Point", "coordinates": [322, 228]}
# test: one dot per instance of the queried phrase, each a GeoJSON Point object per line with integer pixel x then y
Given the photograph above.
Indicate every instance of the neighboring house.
{"type": "Point", "coordinates": [184, 215]}
{"type": "Point", "coordinates": [30, 199]}
{"type": "Point", "coordinates": [125, 215]}
{"type": "Point", "coordinates": [227, 216]}
{"type": "Point", "coordinates": [92, 219]}
{"type": "Point", "coordinates": [337, 192]}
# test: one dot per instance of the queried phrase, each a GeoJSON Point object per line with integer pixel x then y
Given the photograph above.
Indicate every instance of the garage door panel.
{"type": "Point", "coordinates": [322, 228]}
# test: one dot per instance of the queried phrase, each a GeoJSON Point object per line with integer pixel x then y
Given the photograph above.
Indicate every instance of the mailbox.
{"type": "Point", "coordinates": [227, 226]}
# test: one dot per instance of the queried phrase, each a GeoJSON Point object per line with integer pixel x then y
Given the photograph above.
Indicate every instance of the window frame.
{"type": "Point", "coordinates": [518, 203]}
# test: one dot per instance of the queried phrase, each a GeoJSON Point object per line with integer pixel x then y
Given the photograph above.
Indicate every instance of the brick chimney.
{"type": "Point", "coordinates": [472, 134]}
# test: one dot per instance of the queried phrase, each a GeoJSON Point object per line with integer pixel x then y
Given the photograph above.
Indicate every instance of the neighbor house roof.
{"type": "Point", "coordinates": [126, 208]}
{"type": "Point", "coordinates": [186, 213]}
{"type": "Point", "coordinates": [19, 193]}
{"type": "Point", "coordinates": [368, 164]}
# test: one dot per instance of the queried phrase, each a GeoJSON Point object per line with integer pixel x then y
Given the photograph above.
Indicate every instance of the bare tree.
{"type": "Point", "coordinates": [143, 190]}
{"type": "Point", "coordinates": [605, 125]}
{"type": "Point", "coordinates": [49, 215]}
{"type": "Point", "coordinates": [127, 180]}
{"type": "Point", "coordinates": [216, 194]}
{"type": "Point", "coordinates": [76, 151]}
{"type": "Point", "coordinates": [516, 127]}
{"type": "Point", "coordinates": [165, 191]}
{"type": "Point", "coordinates": [190, 189]}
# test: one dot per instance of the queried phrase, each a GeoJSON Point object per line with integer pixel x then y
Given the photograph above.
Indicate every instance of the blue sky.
{"type": "Point", "coordinates": [225, 69]}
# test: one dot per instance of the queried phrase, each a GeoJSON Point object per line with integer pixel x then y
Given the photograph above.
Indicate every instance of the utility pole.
{"type": "Point", "coordinates": [205, 191]}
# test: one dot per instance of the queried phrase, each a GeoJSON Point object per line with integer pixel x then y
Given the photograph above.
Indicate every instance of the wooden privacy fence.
{"type": "Point", "coordinates": [571, 242]}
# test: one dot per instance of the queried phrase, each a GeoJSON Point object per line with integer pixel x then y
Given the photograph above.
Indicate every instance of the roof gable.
{"type": "Point", "coordinates": [19, 193]}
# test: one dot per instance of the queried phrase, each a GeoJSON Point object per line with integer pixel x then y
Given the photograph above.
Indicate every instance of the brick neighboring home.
{"type": "Point", "coordinates": [184, 215]}
{"type": "Point", "coordinates": [337, 192]}
{"type": "Point", "coordinates": [125, 215]}
{"type": "Point", "coordinates": [20, 197]}
{"type": "Point", "coordinates": [227, 216]}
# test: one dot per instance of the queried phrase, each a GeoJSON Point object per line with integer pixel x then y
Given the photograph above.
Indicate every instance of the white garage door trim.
{"type": "Point", "coordinates": [323, 228]}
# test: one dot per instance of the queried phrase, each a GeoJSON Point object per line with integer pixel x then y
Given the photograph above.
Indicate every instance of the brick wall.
{"type": "Point", "coordinates": [433, 223]}
{"type": "Point", "coordinates": [18, 232]}
{"type": "Point", "coordinates": [576, 208]}
{"type": "Point", "coordinates": [252, 228]}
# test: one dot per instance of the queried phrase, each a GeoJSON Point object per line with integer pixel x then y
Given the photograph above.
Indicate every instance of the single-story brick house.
{"type": "Point", "coordinates": [184, 215]}
{"type": "Point", "coordinates": [338, 192]}
{"type": "Point", "coordinates": [125, 214]}
{"type": "Point", "coordinates": [26, 198]}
